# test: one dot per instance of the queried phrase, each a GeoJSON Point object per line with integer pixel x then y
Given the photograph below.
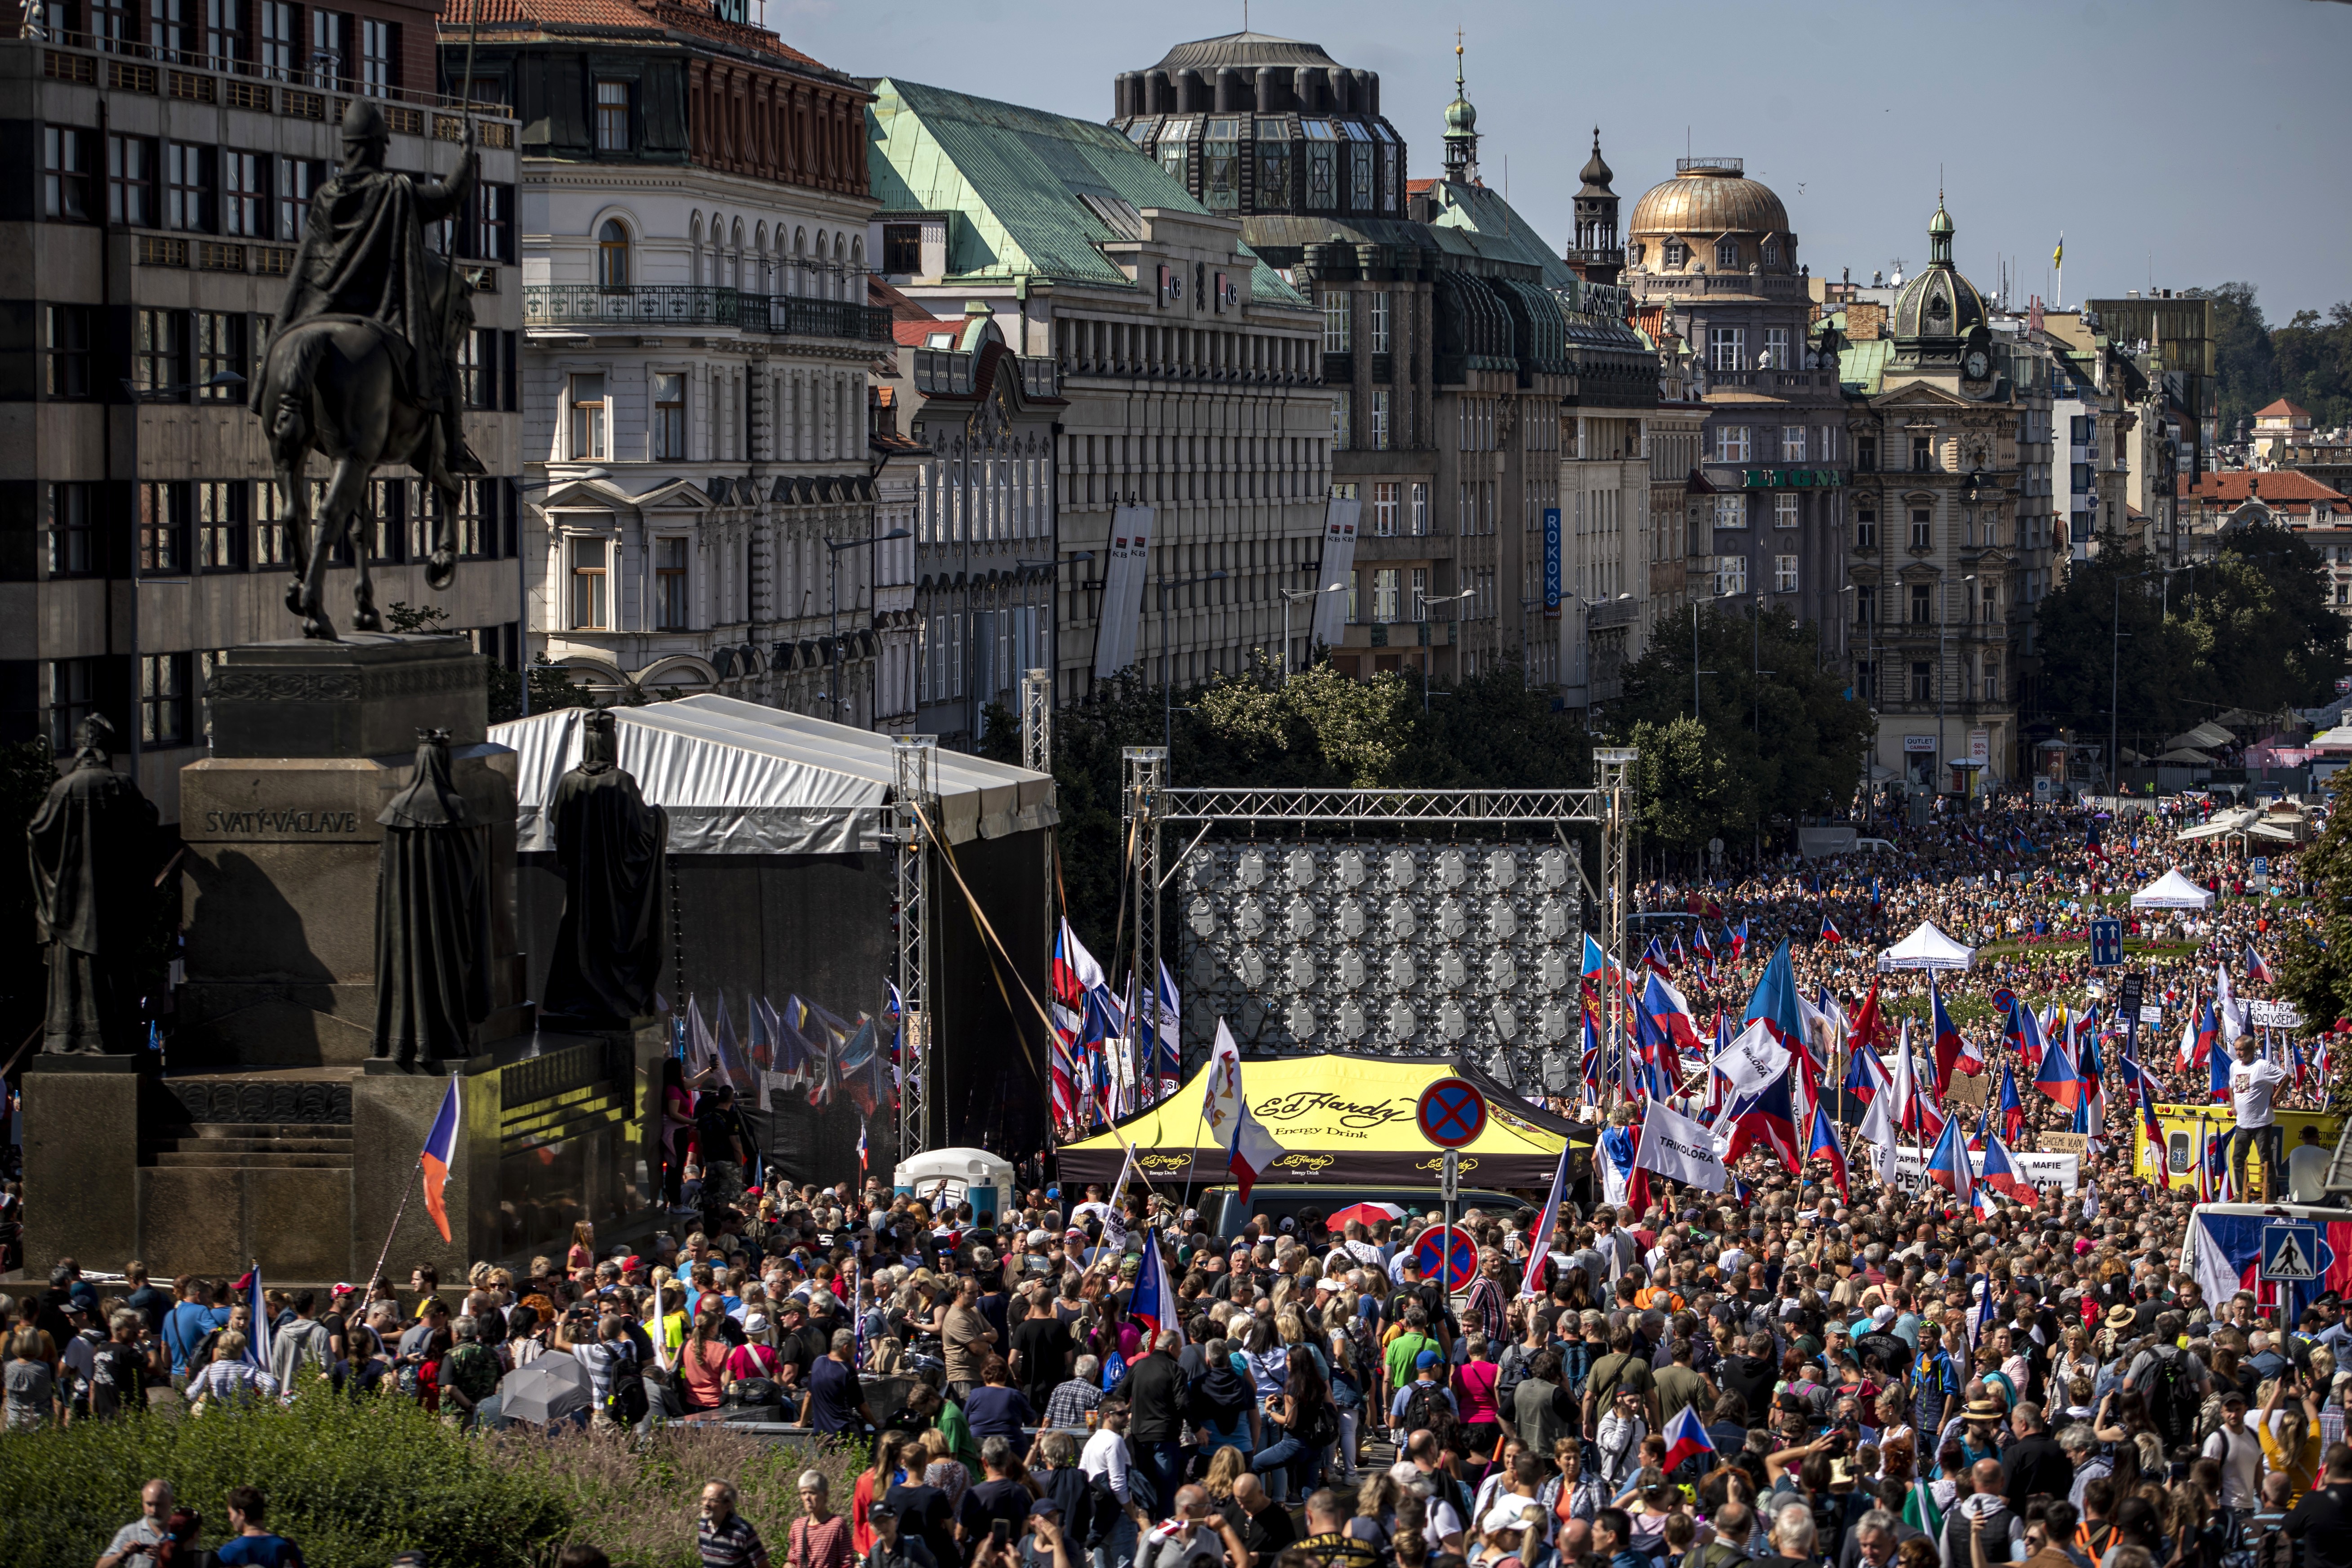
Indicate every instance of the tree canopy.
{"type": "Point", "coordinates": [2307, 361]}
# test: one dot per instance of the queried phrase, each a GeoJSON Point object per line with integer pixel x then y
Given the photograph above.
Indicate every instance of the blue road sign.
{"type": "Point", "coordinates": [2290, 1252]}
{"type": "Point", "coordinates": [2106, 944]}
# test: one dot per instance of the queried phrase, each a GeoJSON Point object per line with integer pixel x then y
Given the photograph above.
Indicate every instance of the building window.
{"type": "Point", "coordinates": [1865, 452]}
{"type": "Point", "coordinates": [163, 529]}
{"type": "Point", "coordinates": [72, 541]}
{"type": "Point", "coordinates": [1730, 511]}
{"type": "Point", "coordinates": [478, 367]}
{"type": "Point", "coordinates": [612, 116]}
{"type": "Point", "coordinates": [1792, 442]}
{"type": "Point", "coordinates": [1419, 519]}
{"type": "Point", "coordinates": [1384, 595]}
{"type": "Point", "coordinates": [73, 697]}
{"type": "Point", "coordinates": [220, 525]}
{"type": "Point", "coordinates": [1727, 255]}
{"type": "Point", "coordinates": [613, 254]}
{"type": "Point", "coordinates": [224, 34]}
{"type": "Point", "coordinates": [1731, 444]}
{"type": "Point", "coordinates": [1355, 589]}
{"type": "Point", "coordinates": [244, 200]}
{"type": "Point", "coordinates": [68, 331]}
{"type": "Point", "coordinates": [1338, 319]}
{"type": "Point", "coordinates": [1360, 168]}
{"type": "Point", "coordinates": [1319, 169]}
{"type": "Point", "coordinates": [1923, 528]}
{"type": "Point", "coordinates": [1677, 254]}
{"type": "Point", "coordinates": [1726, 347]}
{"type": "Point", "coordinates": [65, 166]}
{"type": "Point", "coordinates": [1923, 607]}
{"type": "Point", "coordinates": [1272, 175]}
{"type": "Point", "coordinates": [493, 233]}
{"type": "Point", "coordinates": [298, 177]}
{"type": "Point", "coordinates": [185, 187]}
{"type": "Point", "coordinates": [220, 353]}
{"type": "Point", "coordinates": [329, 48]}
{"type": "Point", "coordinates": [1776, 347]}
{"type": "Point", "coordinates": [1784, 511]}
{"type": "Point", "coordinates": [669, 415]}
{"type": "Point", "coordinates": [1378, 304]}
{"type": "Point", "coordinates": [269, 524]}
{"type": "Point", "coordinates": [1379, 411]}
{"type": "Point", "coordinates": [669, 584]}
{"type": "Point", "coordinates": [1384, 509]}
{"type": "Point", "coordinates": [1730, 575]}
{"type": "Point", "coordinates": [1772, 253]}
{"type": "Point", "coordinates": [275, 38]}
{"type": "Point", "coordinates": [588, 417]}
{"type": "Point", "coordinates": [1922, 681]}
{"type": "Point", "coordinates": [1221, 185]}
{"type": "Point", "coordinates": [164, 700]}
{"type": "Point", "coordinates": [1866, 604]}
{"type": "Point", "coordinates": [130, 181]}
{"type": "Point", "coordinates": [591, 600]}
{"type": "Point", "coordinates": [902, 247]}
{"type": "Point", "coordinates": [1923, 454]}
{"type": "Point", "coordinates": [1866, 528]}
{"type": "Point", "coordinates": [1340, 442]}
{"type": "Point", "coordinates": [1784, 574]}
{"type": "Point", "coordinates": [1993, 680]}
{"type": "Point", "coordinates": [379, 49]}
{"type": "Point", "coordinates": [1419, 605]}
{"type": "Point", "coordinates": [155, 356]}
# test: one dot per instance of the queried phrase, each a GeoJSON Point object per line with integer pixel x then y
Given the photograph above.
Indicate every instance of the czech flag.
{"type": "Point", "coordinates": [1705, 950]}
{"type": "Point", "coordinates": [440, 1153]}
{"type": "Point", "coordinates": [1666, 1007]}
{"type": "Point", "coordinates": [1869, 1028]}
{"type": "Point", "coordinates": [1654, 959]}
{"type": "Point", "coordinates": [1739, 936]}
{"type": "Point", "coordinates": [2257, 972]}
{"type": "Point", "coordinates": [1767, 1117]}
{"type": "Point", "coordinates": [1951, 1050]}
{"type": "Point", "coordinates": [2149, 1122]}
{"type": "Point", "coordinates": [1591, 1074]}
{"type": "Point", "coordinates": [256, 1315]}
{"type": "Point", "coordinates": [2226, 1255]}
{"type": "Point", "coordinates": [2218, 1061]}
{"type": "Point", "coordinates": [1250, 1149]}
{"type": "Point", "coordinates": [1540, 1238]}
{"type": "Point", "coordinates": [2012, 1108]}
{"type": "Point", "coordinates": [1154, 1304]}
{"type": "Point", "coordinates": [1865, 1075]}
{"type": "Point", "coordinates": [1825, 1146]}
{"type": "Point", "coordinates": [1776, 1003]}
{"type": "Point", "coordinates": [2025, 1034]}
{"type": "Point", "coordinates": [1948, 1165]}
{"type": "Point", "coordinates": [1830, 931]}
{"type": "Point", "coordinates": [2001, 1174]}
{"type": "Point", "coordinates": [1685, 1436]}
{"type": "Point", "coordinates": [2058, 1079]}
{"type": "Point", "coordinates": [1595, 961]}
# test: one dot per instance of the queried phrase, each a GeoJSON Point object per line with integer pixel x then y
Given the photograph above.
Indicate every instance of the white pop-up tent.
{"type": "Point", "coordinates": [1927, 948]}
{"type": "Point", "coordinates": [2173, 892]}
{"type": "Point", "coordinates": [738, 778]}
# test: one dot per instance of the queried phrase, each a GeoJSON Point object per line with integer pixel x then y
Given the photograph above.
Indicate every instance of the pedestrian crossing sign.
{"type": "Point", "coordinates": [2290, 1253]}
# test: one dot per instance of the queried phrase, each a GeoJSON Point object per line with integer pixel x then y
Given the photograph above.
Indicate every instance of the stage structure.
{"type": "Point", "coordinates": [1404, 922]}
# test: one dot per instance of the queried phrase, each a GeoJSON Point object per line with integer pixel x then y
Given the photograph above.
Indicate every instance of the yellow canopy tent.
{"type": "Point", "coordinates": [1342, 1121]}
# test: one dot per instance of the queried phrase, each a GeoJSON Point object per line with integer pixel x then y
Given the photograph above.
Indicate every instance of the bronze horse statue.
{"type": "Point", "coordinates": [360, 370]}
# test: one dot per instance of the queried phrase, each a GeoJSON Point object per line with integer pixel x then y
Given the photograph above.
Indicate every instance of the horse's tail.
{"type": "Point", "coordinates": [295, 359]}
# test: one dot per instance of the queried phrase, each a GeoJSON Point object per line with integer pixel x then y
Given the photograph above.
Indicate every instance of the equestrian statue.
{"type": "Point", "coordinates": [362, 365]}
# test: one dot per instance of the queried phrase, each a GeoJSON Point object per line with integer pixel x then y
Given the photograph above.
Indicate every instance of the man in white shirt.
{"type": "Point", "coordinates": [2241, 1453]}
{"type": "Point", "coordinates": [2253, 1084]}
{"type": "Point", "coordinates": [1104, 1458]}
{"type": "Point", "coordinates": [2307, 1169]}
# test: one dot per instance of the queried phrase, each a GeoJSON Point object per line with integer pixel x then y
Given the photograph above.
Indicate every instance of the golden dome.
{"type": "Point", "coordinates": [1707, 197]}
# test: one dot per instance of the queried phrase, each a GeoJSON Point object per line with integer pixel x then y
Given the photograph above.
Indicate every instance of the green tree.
{"type": "Point", "coordinates": [1688, 788]}
{"type": "Point", "coordinates": [2266, 636]}
{"type": "Point", "coordinates": [2150, 667]}
{"type": "Point", "coordinates": [2245, 363]}
{"type": "Point", "coordinates": [2316, 974]}
{"type": "Point", "coordinates": [2314, 359]}
{"type": "Point", "coordinates": [1781, 724]}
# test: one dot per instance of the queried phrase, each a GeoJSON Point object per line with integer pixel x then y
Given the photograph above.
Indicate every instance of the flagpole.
{"type": "Point", "coordinates": [396, 1212]}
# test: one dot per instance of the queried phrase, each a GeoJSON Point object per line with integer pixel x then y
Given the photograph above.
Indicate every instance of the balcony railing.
{"type": "Point", "coordinates": [680, 305]}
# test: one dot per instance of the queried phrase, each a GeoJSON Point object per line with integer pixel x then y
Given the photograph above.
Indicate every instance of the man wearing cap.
{"type": "Point", "coordinates": [1410, 1409]}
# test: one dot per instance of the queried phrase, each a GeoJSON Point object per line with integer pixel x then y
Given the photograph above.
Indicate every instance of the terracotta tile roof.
{"type": "Point", "coordinates": [2282, 407]}
{"type": "Point", "coordinates": [2234, 485]}
{"type": "Point", "coordinates": [686, 16]}
{"type": "Point", "coordinates": [917, 335]}
{"type": "Point", "coordinates": [878, 291]}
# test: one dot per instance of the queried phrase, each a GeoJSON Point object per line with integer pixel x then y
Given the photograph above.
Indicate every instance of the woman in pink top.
{"type": "Point", "coordinates": [581, 1261]}
{"type": "Point", "coordinates": [1474, 1392]}
{"type": "Point", "coordinates": [702, 1363]}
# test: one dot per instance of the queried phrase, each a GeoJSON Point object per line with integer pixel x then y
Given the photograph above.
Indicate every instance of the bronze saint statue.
{"type": "Point", "coordinates": [432, 916]}
{"type": "Point", "coordinates": [362, 361]}
{"type": "Point", "coordinates": [93, 853]}
{"type": "Point", "coordinates": [608, 847]}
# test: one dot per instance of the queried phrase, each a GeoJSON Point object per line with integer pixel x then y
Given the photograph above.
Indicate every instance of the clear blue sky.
{"type": "Point", "coordinates": [2204, 138]}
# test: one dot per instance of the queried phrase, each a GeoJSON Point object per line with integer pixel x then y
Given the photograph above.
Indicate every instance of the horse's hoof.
{"type": "Point", "coordinates": [441, 569]}
{"type": "Point", "coordinates": [294, 598]}
{"type": "Point", "coordinates": [367, 621]}
{"type": "Point", "coordinates": [320, 627]}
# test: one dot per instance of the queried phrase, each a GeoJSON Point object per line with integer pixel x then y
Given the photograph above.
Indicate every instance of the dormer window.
{"type": "Point", "coordinates": [1727, 254]}
{"type": "Point", "coordinates": [1772, 253]}
{"type": "Point", "coordinates": [1634, 252]}
{"type": "Point", "coordinates": [1677, 254]}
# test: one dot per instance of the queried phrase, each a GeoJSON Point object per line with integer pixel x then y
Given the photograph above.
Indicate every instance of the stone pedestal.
{"type": "Point", "coordinates": [310, 741]}
{"type": "Point", "coordinates": [82, 1156]}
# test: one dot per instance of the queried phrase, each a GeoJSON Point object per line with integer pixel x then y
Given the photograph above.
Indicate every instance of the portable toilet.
{"type": "Point", "coordinates": [950, 1176]}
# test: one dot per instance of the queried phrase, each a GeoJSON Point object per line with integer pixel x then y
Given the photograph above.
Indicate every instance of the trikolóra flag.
{"type": "Point", "coordinates": [1679, 1149]}
{"type": "Point", "coordinates": [1752, 1059]}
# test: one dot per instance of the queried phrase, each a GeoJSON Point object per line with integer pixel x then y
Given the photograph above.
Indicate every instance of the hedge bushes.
{"type": "Point", "coordinates": [353, 1483]}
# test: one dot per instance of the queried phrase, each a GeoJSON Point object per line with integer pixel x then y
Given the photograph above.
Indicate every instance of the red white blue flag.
{"type": "Point", "coordinates": [1154, 1304]}
{"type": "Point", "coordinates": [1685, 1436]}
{"type": "Point", "coordinates": [440, 1153]}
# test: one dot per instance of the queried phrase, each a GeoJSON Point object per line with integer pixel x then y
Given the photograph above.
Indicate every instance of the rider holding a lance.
{"type": "Point", "coordinates": [363, 257]}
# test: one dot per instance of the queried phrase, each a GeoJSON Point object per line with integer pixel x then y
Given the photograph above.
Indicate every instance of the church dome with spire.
{"type": "Point", "coordinates": [1939, 305]}
{"type": "Point", "coordinates": [1597, 173]}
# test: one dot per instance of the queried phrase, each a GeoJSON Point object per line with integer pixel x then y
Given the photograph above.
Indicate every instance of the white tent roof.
{"type": "Point", "coordinates": [1927, 948]}
{"type": "Point", "coordinates": [740, 779]}
{"type": "Point", "coordinates": [2203, 737]}
{"type": "Point", "coordinates": [2238, 819]}
{"type": "Point", "coordinates": [2173, 892]}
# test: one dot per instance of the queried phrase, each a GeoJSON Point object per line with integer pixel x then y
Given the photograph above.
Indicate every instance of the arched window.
{"type": "Point", "coordinates": [1727, 255]}
{"type": "Point", "coordinates": [800, 259]}
{"type": "Point", "coordinates": [694, 249]}
{"type": "Point", "coordinates": [857, 253]}
{"type": "Point", "coordinates": [760, 257]}
{"type": "Point", "coordinates": [735, 258]}
{"type": "Point", "coordinates": [1772, 253]}
{"type": "Point", "coordinates": [613, 254]}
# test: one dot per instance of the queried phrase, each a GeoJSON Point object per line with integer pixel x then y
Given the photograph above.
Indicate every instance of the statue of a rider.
{"type": "Point", "coordinates": [363, 257]}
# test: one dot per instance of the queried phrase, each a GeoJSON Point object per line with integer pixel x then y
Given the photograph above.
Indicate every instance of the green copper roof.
{"type": "Point", "coordinates": [1862, 367]}
{"type": "Point", "coordinates": [1017, 181]}
{"type": "Point", "coordinates": [1496, 229]}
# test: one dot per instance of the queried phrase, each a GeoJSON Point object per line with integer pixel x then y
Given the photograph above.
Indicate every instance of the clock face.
{"type": "Point", "coordinates": [1976, 364]}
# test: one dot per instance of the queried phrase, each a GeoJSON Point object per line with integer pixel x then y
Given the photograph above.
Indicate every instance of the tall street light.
{"type": "Point", "coordinates": [833, 593]}
{"type": "Point", "coordinates": [1298, 596]}
{"type": "Point", "coordinates": [1430, 668]}
{"type": "Point", "coordinates": [1168, 655]}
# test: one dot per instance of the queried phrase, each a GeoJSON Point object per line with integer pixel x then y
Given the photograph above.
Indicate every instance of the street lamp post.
{"type": "Point", "coordinates": [1298, 596]}
{"type": "Point", "coordinates": [1168, 656]}
{"type": "Point", "coordinates": [1430, 668]}
{"type": "Point", "coordinates": [832, 594]}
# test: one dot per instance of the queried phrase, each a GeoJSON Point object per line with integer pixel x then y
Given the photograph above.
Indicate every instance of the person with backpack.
{"type": "Point", "coordinates": [2171, 1383]}
{"type": "Point", "coordinates": [120, 1370]}
{"type": "Point", "coordinates": [300, 1349]}
{"type": "Point", "coordinates": [185, 1328]}
{"type": "Point", "coordinates": [1419, 1404]}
